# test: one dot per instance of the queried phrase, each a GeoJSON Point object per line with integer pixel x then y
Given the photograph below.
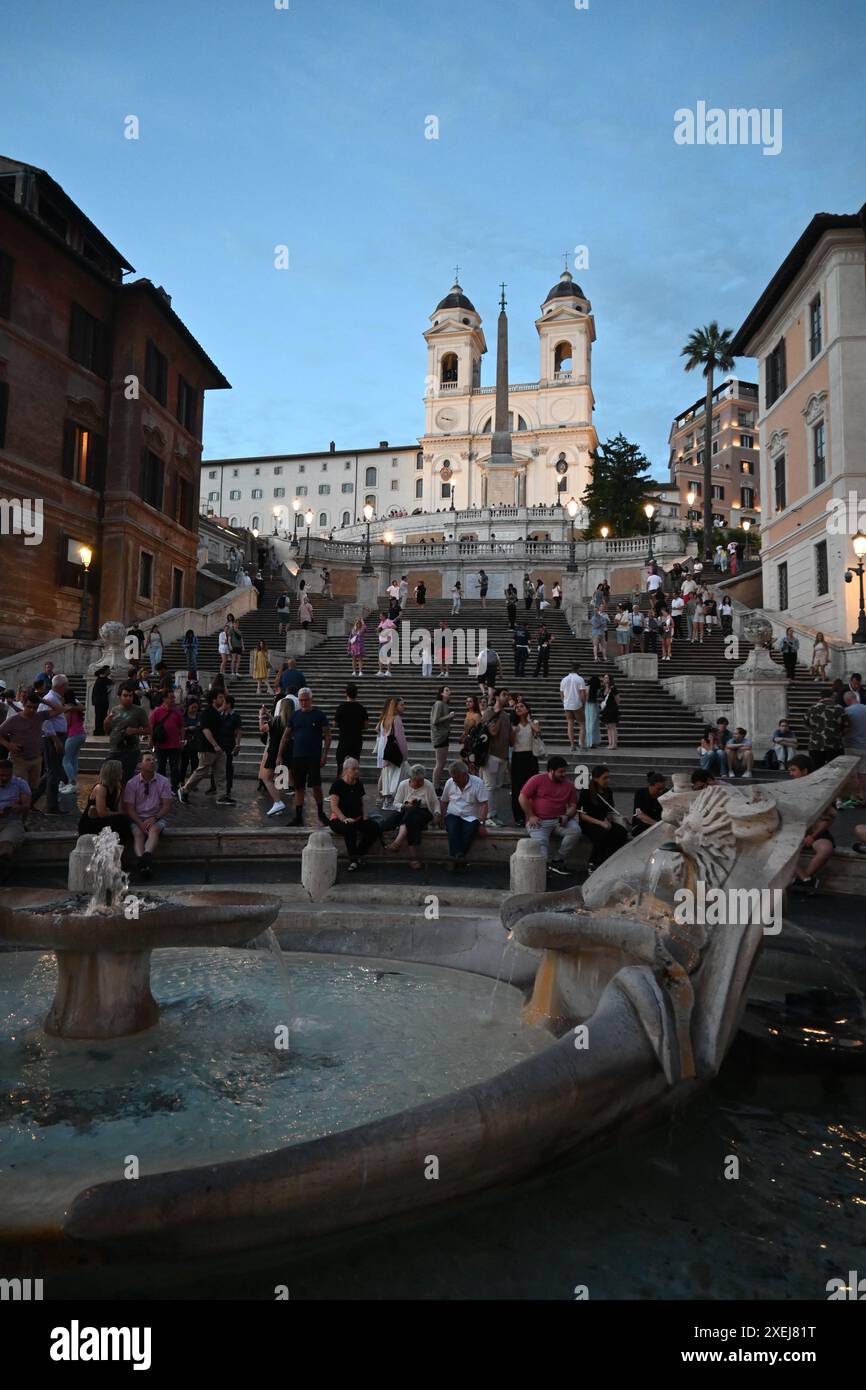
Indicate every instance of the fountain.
{"type": "Point", "coordinates": [631, 1007]}
{"type": "Point", "coordinates": [103, 940]}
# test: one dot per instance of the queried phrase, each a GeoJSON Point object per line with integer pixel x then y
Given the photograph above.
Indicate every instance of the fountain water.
{"type": "Point", "coordinates": [109, 883]}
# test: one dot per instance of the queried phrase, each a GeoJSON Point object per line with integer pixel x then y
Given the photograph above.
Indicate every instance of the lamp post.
{"type": "Point", "coordinates": [388, 538]}
{"type": "Point", "coordinates": [296, 507]}
{"type": "Point", "coordinates": [649, 513]}
{"type": "Point", "coordinates": [367, 567]}
{"type": "Point", "coordinates": [82, 632]}
{"type": "Point", "coordinates": [604, 532]}
{"type": "Point", "coordinates": [859, 545]}
{"type": "Point", "coordinates": [571, 507]}
{"type": "Point", "coordinates": [747, 526]}
{"type": "Point", "coordinates": [276, 513]}
{"type": "Point", "coordinates": [690, 499]}
{"type": "Point", "coordinates": [308, 520]}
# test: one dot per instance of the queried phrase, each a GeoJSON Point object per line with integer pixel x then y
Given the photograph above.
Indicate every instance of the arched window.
{"type": "Point", "coordinates": [323, 518]}
{"type": "Point", "coordinates": [346, 519]}
{"type": "Point", "coordinates": [370, 478]}
{"type": "Point", "coordinates": [562, 358]}
{"type": "Point", "coordinates": [233, 521]}
{"type": "Point", "coordinates": [419, 488]}
{"type": "Point", "coordinates": [371, 499]}
{"type": "Point", "coordinates": [419, 461]}
{"type": "Point", "coordinates": [521, 423]}
{"type": "Point", "coordinates": [449, 368]}
{"type": "Point", "coordinates": [256, 523]}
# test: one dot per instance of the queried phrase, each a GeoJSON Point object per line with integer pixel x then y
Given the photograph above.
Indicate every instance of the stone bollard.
{"type": "Point", "coordinates": [79, 863]}
{"type": "Point", "coordinates": [319, 864]}
{"type": "Point", "coordinates": [528, 868]}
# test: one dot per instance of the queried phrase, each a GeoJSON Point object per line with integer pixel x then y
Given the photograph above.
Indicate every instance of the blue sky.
{"type": "Point", "coordinates": [305, 127]}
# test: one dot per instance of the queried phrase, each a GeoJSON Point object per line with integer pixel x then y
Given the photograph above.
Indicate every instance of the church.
{"type": "Point", "coordinates": [509, 444]}
{"type": "Point", "coordinates": [549, 420]}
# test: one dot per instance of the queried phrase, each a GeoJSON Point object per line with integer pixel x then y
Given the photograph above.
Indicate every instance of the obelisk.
{"type": "Point", "coordinates": [500, 466]}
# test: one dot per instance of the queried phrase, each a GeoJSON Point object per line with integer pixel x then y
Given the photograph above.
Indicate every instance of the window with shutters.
{"type": "Point", "coordinates": [782, 580]}
{"type": "Point", "coordinates": [83, 455]}
{"type": "Point", "coordinates": [822, 572]}
{"type": "Point", "coordinates": [780, 483]}
{"type": "Point", "coordinates": [419, 487]}
{"type": "Point", "coordinates": [145, 574]}
{"type": "Point", "coordinates": [88, 341]}
{"type": "Point", "coordinates": [183, 509]}
{"type": "Point", "coordinates": [152, 479]}
{"type": "Point", "coordinates": [156, 373]}
{"type": "Point", "coordinates": [187, 405]}
{"type": "Point", "coordinates": [6, 264]}
{"type": "Point", "coordinates": [775, 373]}
{"type": "Point", "coordinates": [819, 454]}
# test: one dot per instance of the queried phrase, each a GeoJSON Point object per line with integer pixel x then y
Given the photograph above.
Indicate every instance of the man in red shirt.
{"type": "Point", "coordinates": [169, 740]}
{"type": "Point", "coordinates": [549, 802]}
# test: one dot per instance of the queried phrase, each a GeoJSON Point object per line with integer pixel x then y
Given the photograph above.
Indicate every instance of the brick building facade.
{"type": "Point", "coordinates": [101, 406]}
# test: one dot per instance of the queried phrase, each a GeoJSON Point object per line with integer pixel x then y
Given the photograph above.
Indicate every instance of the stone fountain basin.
{"type": "Point", "coordinates": [54, 920]}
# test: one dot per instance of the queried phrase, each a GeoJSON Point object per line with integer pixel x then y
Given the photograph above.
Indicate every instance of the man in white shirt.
{"type": "Point", "coordinates": [464, 811]}
{"type": "Point", "coordinates": [677, 604]}
{"type": "Point", "coordinates": [572, 688]}
{"type": "Point", "coordinates": [689, 587]}
{"type": "Point", "coordinates": [653, 583]}
{"type": "Point", "coordinates": [487, 670]}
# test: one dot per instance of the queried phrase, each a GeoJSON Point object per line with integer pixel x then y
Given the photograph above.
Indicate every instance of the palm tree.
{"type": "Point", "coordinates": [710, 349]}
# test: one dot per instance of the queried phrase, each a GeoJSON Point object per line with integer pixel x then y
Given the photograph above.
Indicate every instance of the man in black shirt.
{"type": "Point", "coordinates": [647, 807]}
{"type": "Point", "coordinates": [230, 743]}
{"type": "Point", "coordinates": [311, 738]}
{"type": "Point", "coordinates": [511, 605]}
{"type": "Point", "coordinates": [543, 640]}
{"type": "Point", "coordinates": [521, 648]}
{"type": "Point", "coordinates": [211, 756]}
{"type": "Point", "coordinates": [347, 818]}
{"type": "Point", "coordinates": [350, 718]}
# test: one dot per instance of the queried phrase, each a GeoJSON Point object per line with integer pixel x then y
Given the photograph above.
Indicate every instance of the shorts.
{"type": "Point", "coordinates": [306, 772]}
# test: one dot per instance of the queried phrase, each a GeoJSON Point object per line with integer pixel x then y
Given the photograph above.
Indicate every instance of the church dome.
{"type": "Point", "coordinates": [456, 299]}
{"type": "Point", "coordinates": [565, 288]}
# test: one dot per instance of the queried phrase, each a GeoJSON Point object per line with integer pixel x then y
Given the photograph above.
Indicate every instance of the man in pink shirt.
{"type": "Point", "coordinates": [147, 798]}
{"type": "Point", "coordinates": [549, 802]}
{"type": "Point", "coordinates": [169, 739]}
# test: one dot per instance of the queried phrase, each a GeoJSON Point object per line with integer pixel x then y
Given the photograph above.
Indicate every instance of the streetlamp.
{"type": "Point", "coordinates": [82, 632]}
{"type": "Point", "coordinates": [859, 545]}
{"type": "Point", "coordinates": [369, 513]}
{"type": "Point", "coordinates": [308, 518]}
{"type": "Point", "coordinates": [296, 507]}
{"type": "Point", "coordinates": [276, 518]}
{"type": "Point", "coordinates": [747, 526]}
{"type": "Point", "coordinates": [571, 507]}
{"type": "Point", "coordinates": [649, 513]}
{"type": "Point", "coordinates": [388, 538]}
{"type": "Point", "coordinates": [605, 532]}
{"type": "Point", "coordinates": [690, 499]}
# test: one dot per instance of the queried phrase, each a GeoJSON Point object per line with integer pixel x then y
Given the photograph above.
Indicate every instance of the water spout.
{"type": "Point", "coordinates": [109, 883]}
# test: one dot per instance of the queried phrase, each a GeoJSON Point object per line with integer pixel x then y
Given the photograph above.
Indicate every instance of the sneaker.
{"type": "Point", "coordinates": [66, 787]}
{"type": "Point", "coordinates": [225, 801]}
{"type": "Point", "coordinates": [276, 808]}
{"type": "Point", "coordinates": [859, 848]}
{"type": "Point", "coordinates": [494, 821]}
{"type": "Point", "coordinates": [355, 864]}
{"type": "Point", "coordinates": [805, 885]}
{"type": "Point", "coordinates": [182, 796]}
{"type": "Point", "coordinates": [144, 866]}
{"type": "Point", "coordinates": [556, 866]}
{"type": "Point", "coordinates": [747, 776]}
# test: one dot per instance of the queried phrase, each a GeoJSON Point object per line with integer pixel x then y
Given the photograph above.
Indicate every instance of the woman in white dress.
{"type": "Point", "coordinates": [392, 750]}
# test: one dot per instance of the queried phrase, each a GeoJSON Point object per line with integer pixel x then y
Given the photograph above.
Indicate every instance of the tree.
{"type": "Point", "coordinates": [710, 349]}
{"type": "Point", "coordinates": [618, 488]}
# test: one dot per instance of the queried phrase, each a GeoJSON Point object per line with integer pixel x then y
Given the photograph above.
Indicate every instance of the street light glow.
{"type": "Point", "coordinates": [859, 544]}
{"type": "Point", "coordinates": [369, 511]}
{"type": "Point", "coordinates": [86, 556]}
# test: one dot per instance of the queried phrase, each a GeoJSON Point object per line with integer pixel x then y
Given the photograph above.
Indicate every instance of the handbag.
{"type": "Point", "coordinates": [538, 746]}
{"type": "Point", "coordinates": [392, 752]}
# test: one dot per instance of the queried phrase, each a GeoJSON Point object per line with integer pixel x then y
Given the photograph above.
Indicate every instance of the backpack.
{"type": "Point", "coordinates": [477, 745]}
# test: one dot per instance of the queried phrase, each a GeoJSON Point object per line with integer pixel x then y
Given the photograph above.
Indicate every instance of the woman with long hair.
{"type": "Point", "coordinates": [355, 646]}
{"type": "Point", "coordinates": [525, 739]}
{"type": "Point", "coordinates": [591, 733]}
{"type": "Point", "coordinates": [609, 709]}
{"type": "Point", "coordinates": [474, 715]}
{"type": "Point", "coordinates": [666, 624]}
{"type": "Point", "coordinates": [190, 650]}
{"type": "Point", "coordinates": [392, 749]}
{"type": "Point", "coordinates": [698, 621]}
{"type": "Point", "coordinates": [103, 809]}
{"type": "Point", "coordinates": [600, 821]}
{"type": "Point", "coordinates": [153, 647]}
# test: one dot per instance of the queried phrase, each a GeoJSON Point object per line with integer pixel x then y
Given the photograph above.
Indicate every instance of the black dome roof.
{"type": "Point", "coordinates": [456, 299]}
{"type": "Point", "coordinates": [565, 288]}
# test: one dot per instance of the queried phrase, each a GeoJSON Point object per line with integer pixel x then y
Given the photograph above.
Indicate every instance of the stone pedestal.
{"type": "Point", "coordinates": [573, 600]}
{"type": "Point", "coordinates": [300, 640]}
{"type": "Point", "coordinates": [101, 994]}
{"type": "Point", "coordinates": [319, 864]}
{"type": "Point", "coordinates": [639, 666]}
{"type": "Point", "coordinates": [367, 593]}
{"type": "Point", "coordinates": [528, 868]}
{"type": "Point", "coordinates": [760, 698]}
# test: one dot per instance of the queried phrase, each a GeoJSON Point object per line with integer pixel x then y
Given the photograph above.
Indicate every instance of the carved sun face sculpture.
{"type": "Point", "coordinates": [706, 837]}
